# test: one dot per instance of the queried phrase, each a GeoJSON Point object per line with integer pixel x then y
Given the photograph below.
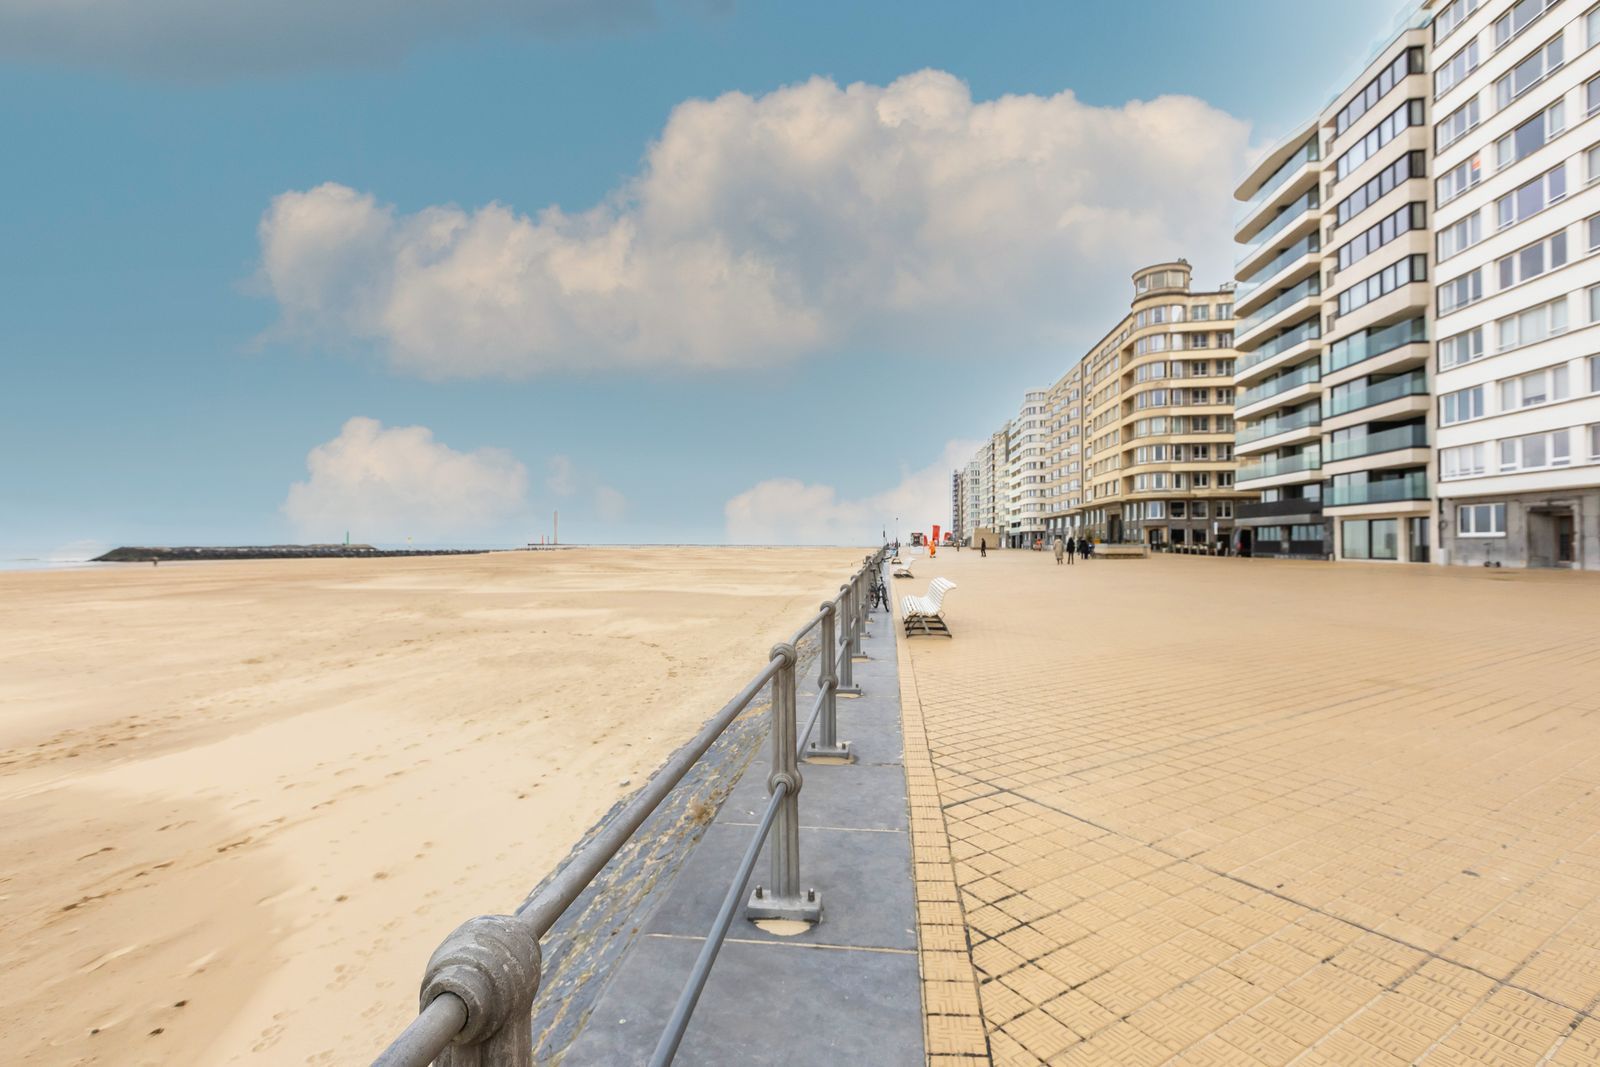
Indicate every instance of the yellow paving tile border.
{"type": "Point", "coordinates": [952, 1020]}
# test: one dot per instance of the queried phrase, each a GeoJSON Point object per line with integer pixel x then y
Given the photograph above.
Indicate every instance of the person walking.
{"type": "Point", "coordinates": [983, 548]}
{"type": "Point", "coordinates": [1085, 549]}
{"type": "Point", "coordinates": [1060, 548]}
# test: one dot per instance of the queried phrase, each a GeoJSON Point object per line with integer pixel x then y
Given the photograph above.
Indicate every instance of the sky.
{"type": "Point", "coordinates": [682, 270]}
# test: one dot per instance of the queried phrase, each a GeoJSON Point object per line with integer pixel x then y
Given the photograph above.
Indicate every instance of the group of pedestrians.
{"type": "Point", "coordinates": [1071, 548]}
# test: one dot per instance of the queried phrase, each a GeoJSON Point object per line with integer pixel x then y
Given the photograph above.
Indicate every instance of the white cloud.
{"type": "Point", "coordinates": [388, 484]}
{"type": "Point", "coordinates": [786, 511]}
{"type": "Point", "coordinates": [563, 479]}
{"type": "Point", "coordinates": [215, 39]}
{"type": "Point", "coordinates": [761, 228]}
{"type": "Point", "coordinates": [609, 504]}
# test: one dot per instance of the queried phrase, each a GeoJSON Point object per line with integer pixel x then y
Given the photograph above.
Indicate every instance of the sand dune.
{"type": "Point", "coordinates": [241, 802]}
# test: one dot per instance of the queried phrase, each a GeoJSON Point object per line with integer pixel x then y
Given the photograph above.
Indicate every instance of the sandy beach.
{"type": "Point", "coordinates": [240, 803]}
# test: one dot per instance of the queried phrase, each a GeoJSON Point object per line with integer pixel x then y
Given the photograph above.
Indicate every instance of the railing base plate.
{"type": "Point", "coordinates": [807, 909]}
{"type": "Point", "coordinates": [839, 753]}
{"type": "Point", "coordinates": [848, 691]}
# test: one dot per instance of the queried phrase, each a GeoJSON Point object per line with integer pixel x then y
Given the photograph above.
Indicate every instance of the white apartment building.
{"type": "Point", "coordinates": [1025, 470]}
{"type": "Point", "coordinates": [1517, 225]}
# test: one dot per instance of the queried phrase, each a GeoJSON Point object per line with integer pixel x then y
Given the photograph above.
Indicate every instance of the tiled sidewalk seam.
{"type": "Point", "coordinates": [953, 1029]}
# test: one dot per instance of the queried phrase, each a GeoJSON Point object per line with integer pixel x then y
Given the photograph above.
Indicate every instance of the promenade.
{"type": "Point", "coordinates": [1221, 811]}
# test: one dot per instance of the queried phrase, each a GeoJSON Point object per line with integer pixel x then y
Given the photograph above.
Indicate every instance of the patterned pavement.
{"type": "Point", "coordinates": [1207, 811]}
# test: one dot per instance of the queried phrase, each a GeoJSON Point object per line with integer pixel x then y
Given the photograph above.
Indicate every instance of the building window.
{"type": "Point", "coordinates": [1535, 451]}
{"type": "Point", "coordinates": [1462, 405]}
{"type": "Point", "coordinates": [1456, 125]}
{"type": "Point", "coordinates": [1530, 198]}
{"type": "Point", "coordinates": [1460, 236]}
{"type": "Point", "coordinates": [1531, 390]}
{"type": "Point", "coordinates": [1544, 61]}
{"type": "Point", "coordinates": [1530, 136]}
{"type": "Point", "coordinates": [1371, 538]}
{"type": "Point", "coordinates": [1305, 533]}
{"type": "Point", "coordinates": [1455, 68]}
{"type": "Point", "coordinates": [1531, 326]}
{"type": "Point", "coordinates": [1401, 272]}
{"type": "Point", "coordinates": [1538, 258]}
{"type": "Point", "coordinates": [1481, 520]}
{"type": "Point", "coordinates": [1408, 218]}
{"type": "Point", "coordinates": [1455, 181]}
{"type": "Point", "coordinates": [1459, 292]}
{"type": "Point", "coordinates": [1594, 374]}
{"type": "Point", "coordinates": [1465, 461]}
{"type": "Point", "coordinates": [1393, 124]}
{"type": "Point", "coordinates": [1407, 166]}
{"type": "Point", "coordinates": [1461, 349]}
{"type": "Point", "coordinates": [1591, 95]}
{"type": "Point", "coordinates": [1519, 18]}
{"type": "Point", "coordinates": [1451, 16]}
{"type": "Point", "coordinates": [1407, 62]}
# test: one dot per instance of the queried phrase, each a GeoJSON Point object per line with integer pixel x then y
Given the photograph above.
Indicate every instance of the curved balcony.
{"type": "Point", "coordinates": [1299, 420]}
{"type": "Point", "coordinates": [1301, 210]}
{"type": "Point", "coordinates": [1274, 386]}
{"type": "Point", "coordinates": [1348, 351]}
{"type": "Point", "coordinates": [1300, 254]}
{"type": "Point", "coordinates": [1295, 170]}
{"type": "Point", "coordinates": [1302, 296]}
{"type": "Point", "coordinates": [1414, 436]}
{"type": "Point", "coordinates": [1277, 346]}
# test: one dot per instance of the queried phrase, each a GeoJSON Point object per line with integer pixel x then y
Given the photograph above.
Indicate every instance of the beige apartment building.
{"type": "Point", "coordinates": [1334, 408]}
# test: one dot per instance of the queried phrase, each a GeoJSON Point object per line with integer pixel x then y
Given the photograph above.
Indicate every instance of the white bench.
{"type": "Point", "coordinates": [901, 569]}
{"type": "Point", "coordinates": [925, 614]}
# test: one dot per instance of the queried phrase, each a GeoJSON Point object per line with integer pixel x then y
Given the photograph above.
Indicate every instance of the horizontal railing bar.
{"type": "Point", "coordinates": [800, 634]}
{"type": "Point", "coordinates": [667, 1047]}
{"type": "Point", "coordinates": [428, 1035]}
{"type": "Point", "coordinates": [543, 910]}
{"type": "Point", "coordinates": [816, 713]}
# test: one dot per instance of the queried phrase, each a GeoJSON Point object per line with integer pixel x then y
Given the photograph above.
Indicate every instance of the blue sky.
{"type": "Point", "coordinates": [190, 309]}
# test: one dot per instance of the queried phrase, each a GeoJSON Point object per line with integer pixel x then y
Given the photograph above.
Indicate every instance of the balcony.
{"type": "Point", "coordinates": [1307, 331]}
{"type": "Point", "coordinates": [1348, 351]}
{"type": "Point", "coordinates": [1310, 152]}
{"type": "Point", "coordinates": [1299, 507]}
{"type": "Point", "coordinates": [1290, 215]}
{"type": "Point", "coordinates": [1415, 436]}
{"type": "Point", "coordinates": [1412, 486]}
{"type": "Point", "coordinates": [1414, 383]}
{"type": "Point", "coordinates": [1299, 250]}
{"type": "Point", "coordinates": [1299, 420]}
{"type": "Point", "coordinates": [1309, 460]}
{"type": "Point", "coordinates": [1312, 286]}
{"type": "Point", "coordinates": [1282, 383]}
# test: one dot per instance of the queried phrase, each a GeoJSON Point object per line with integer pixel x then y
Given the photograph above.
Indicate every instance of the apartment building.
{"type": "Point", "coordinates": [1157, 423]}
{"type": "Point", "coordinates": [1333, 404]}
{"type": "Point", "coordinates": [1063, 485]}
{"type": "Point", "coordinates": [1025, 469]}
{"type": "Point", "coordinates": [1517, 226]}
{"type": "Point", "coordinates": [958, 506]}
{"type": "Point", "coordinates": [988, 507]}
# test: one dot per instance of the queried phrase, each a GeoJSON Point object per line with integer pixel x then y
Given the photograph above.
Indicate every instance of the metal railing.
{"type": "Point", "coordinates": [480, 984]}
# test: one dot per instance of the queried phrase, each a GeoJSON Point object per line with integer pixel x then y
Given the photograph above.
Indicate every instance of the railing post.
{"type": "Point", "coordinates": [784, 899]}
{"type": "Point", "coordinates": [827, 745]}
{"type": "Point", "coordinates": [844, 655]}
{"type": "Point", "coordinates": [491, 963]}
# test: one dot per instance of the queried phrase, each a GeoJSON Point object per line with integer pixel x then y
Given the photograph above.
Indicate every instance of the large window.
{"type": "Point", "coordinates": [1535, 451]}
{"type": "Point", "coordinates": [1467, 461]}
{"type": "Point", "coordinates": [1539, 387]}
{"type": "Point", "coordinates": [1532, 261]}
{"type": "Point", "coordinates": [1531, 326]}
{"type": "Point", "coordinates": [1402, 272]}
{"type": "Point", "coordinates": [1530, 198]}
{"type": "Point", "coordinates": [1462, 405]}
{"type": "Point", "coordinates": [1459, 292]}
{"type": "Point", "coordinates": [1456, 125]}
{"type": "Point", "coordinates": [1457, 180]}
{"type": "Point", "coordinates": [1460, 236]}
{"type": "Point", "coordinates": [1518, 19]}
{"type": "Point", "coordinates": [1408, 218]}
{"type": "Point", "coordinates": [1455, 68]}
{"type": "Point", "coordinates": [1481, 520]}
{"type": "Point", "coordinates": [1530, 136]}
{"type": "Point", "coordinates": [1407, 166]}
{"type": "Point", "coordinates": [1407, 114]}
{"type": "Point", "coordinates": [1451, 16]}
{"type": "Point", "coordinates": [1371, 538]}
{"type": "Point", "coordinates": [1407, 62]}
{"type": "Point", "coordinates": [1461, 349]}
{"type": "Point", "coordinates": [1544, 61]}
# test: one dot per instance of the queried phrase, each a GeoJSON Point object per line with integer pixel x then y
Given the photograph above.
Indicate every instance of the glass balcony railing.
{"type": "Point", "coordinates": [1382, 441]}
{"type": "Point", "coordinates": [1299, 250]}
{"type": "Point", "coordinates": [1293, 212]}
{"type": "Point", "coordinates": [1307, 331]}
{"type": "Point", "coordinates": [1282, 383]}
{"type": "Point", "coordinates": [1309, 152]}
{"type": "Point", "coordinates": [1299, 420]}
{"type": "Point", "coordinates": [1411, 486]}
{"type": "Point", "coordinates": [1367, 344]}
{"type": "Point", "coordinates": [1309, 460]}
{"type": "Point", "coordinates": [1344, 401]}
{"type": "Point", "coordinates": [1312, 286]}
